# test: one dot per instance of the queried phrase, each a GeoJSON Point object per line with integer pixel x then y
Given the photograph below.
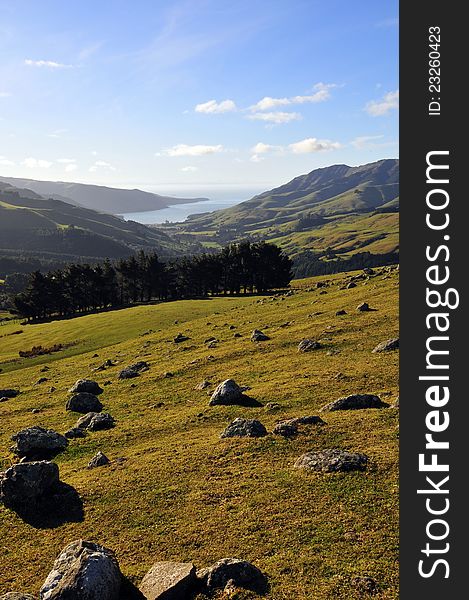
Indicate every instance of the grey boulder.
{"type": "Point", "coordinates": [83, 571]}
{"type": "Point", "coordinates": [26, 483]}
{"type": "Point", "coordinates": [84, 402]}
{"type": "Point", "coordinates": [240, 573]}
{"type": "Point", "coordinates": [259, 336]}
{"type": "Point", "coordinates": [168, 581]}
{"type": "Point", "coordinates": [16, 596]}
{"type": "Point", "coordinates": [86, 385]}
{"type": "Point", "coordinates": [387, 345]}
{"type": "Point", "coordinates": [98, 460]}
{"type": "Point", "coordinates": [9, 393]}
{"type": "Point", "coordinates": [308, 345]}
{"type": "Point", "coordinates": [36, 442]}
{"type": "Point", "coordinates": [244, 428]}
{"type": "Point", "coordinates": [101, 421]}
{"type": "Point", "coordinates": [355, 402]}
{"type": "Point", "coordinates": [332, 460]}
{"type": "Point", "coordinates": [228, 392]}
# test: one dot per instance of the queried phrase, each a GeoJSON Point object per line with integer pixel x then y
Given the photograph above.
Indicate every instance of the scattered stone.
{"type": "Point", "coordinates": [210, 339]}
{"type": "Point", "coordinates": [95, 355]}
{"type": "Point", "coordinates": [101, 421]}
{"type": "Point", "coordinates": [307, 420]}
{"type": "Point", "coordinates": [74, 432]}
{"type": "Point", "coordinates": [285, 429]}
{"type": "Point", "coordinates": [4, 399]}
{"type": "Point", "coordinates": [38, 443]}
{"type": "Point", "coordinates": [339, 313]}
{"type": "Point", "coordinates": [84, 421]}
{"type": "Point", "coordinates": [388, 345]}
{"type": "Point", "coordinates": [212, 345]}
{"type": "Point", "coordinates": [272, 406]}
{"type": "Point", "coordinates": [83, 571]}
{"type": "Point", "coordinates": [26, 483]}
{"type": "Point", "coordinates": [355, 402]}
{"type": "Point", "coordinates": [351, 285]}
{"type": "Point", "coordinates": [9, 393]}
{"type": "Point", "coordinates": [332, 460]}
{"type": "Point", "coordinates": [244, 428]}
{"type": "Point", "coordinates": [237, 335]}
{"type": "Point", "coordinates": [84, 402]}
{"type": "Point", "coordinates": [365, 585]}
{"type": "Point", "coordinates": [228, 392]}
{"type": "Point", "coordinates": [98, 460]}
{"type": "Point", "coordinates": [86, 385]}
{"type": "Point", "coordinates": [181, 338]}
{"type": "Point", "coordinates": [52, 389]}
{"type": "Point", "coordinates": [232, 327]}
{"type": "Point", "coordinates": [16, 596]}
{"type": "Point", "coordinates": [368, 271]}
{"type": "Point", "coordinates": [35, 411]}
{"type": "Point", "coordinates": [203, 385]}
{"type": "Point", "coordinates": [41, 380]}
{"type": "Point", "coordinates": [240, 573]}
{"type": "Point", "coordinates": [396, 403]}
{"type": "Point", "coordinates": [44, 369]}
{"type": "Point", "coordinates": [134, 370]}
{"type": "Point", "coordinates": [308, 345]}
{"type": "Point", "coordinates": [168, 581]}
{"type": "Point", "coordinates": [363, 307]}
{"type": "Point", "coordinates": [259, 336]}
{"type": "Point", "coordinates": [168, 375]}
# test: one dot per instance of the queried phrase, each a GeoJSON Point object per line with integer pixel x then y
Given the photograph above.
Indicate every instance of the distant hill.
{"type": "Point", "coordinates": [98, 197]}
{"type": "Point", "coordinates": [339, 208]}
{"type": "Point", "coordinates": [36, 226]}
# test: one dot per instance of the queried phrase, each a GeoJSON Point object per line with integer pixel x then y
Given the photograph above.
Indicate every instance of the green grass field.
{"type": "Point", "coordinates": [184, 494]}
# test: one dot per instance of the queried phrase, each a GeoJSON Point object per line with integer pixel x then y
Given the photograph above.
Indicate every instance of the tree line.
{"type": "Point", "coordinates": [79, 288]}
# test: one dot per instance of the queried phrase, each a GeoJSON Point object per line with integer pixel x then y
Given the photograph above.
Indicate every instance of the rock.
{"type": "Point", "coordinates": [365, 585]}
{"type": "Point", "coordinates": [307, 345]}
{"type": "Point", "coordinates": [212, 345]}
{"type": "Point", "coordinates": [9, 393]}
{"type": "Point", "coordinates": [240, 573]}
{"type": "Point", "coordinates": [210, 339]}
{"type": "Point", "coordinates": [237, 335]}
{"type": "Point", "coordinates": [168, 581]}
{"type": "Point", "coordinates": [83, 571]}
{"type": "Point", "coordinates": [355, 402]}
{"type": "Point", "coordinates": [351, 285]}
{"type": "Point", "coordinates": [181, 338]}
{"type": "Point", "coordinates": [396, 403]}
{"type": "Point", "coordinates": [285, 429]}
{"type": "Point", "coordinates": [244, 428]}
{"type": "Point", "coordinates": [363, 307]}
{"type": "Point", "coordinates": [168, 375]}
{"type": "Point", "coordinates": [44, 369]}
{"type": "Point", "coordinates": [203, 385]}
{"type": "Point", "coordinates": [368, 271]}
{"type": "Point", "coordinates": [41, 380]}
{"type": "Point", "coordinates": [74, 432]}
{"type": "Point", "coordinates": [4, 399]}
{"type": "Point", "coordinates": [272, 406]}
{"type": "Point", "coordinates": [98, 460]}
{"type": "Point", "coordinates": [26, 483]}
{"type": "Point", "coordinates": [86, 385]}
{"type": "Point", "coordinates": [84, 402]}
{"type": "Point", "coordinates": [228, 392]}
{"type": "Point", "coordinates": [332, 460]}
{"type": "Point", "coordinates": [258, 336]}
{"type": "Point", "coordinates": [388, 345]}
{"type": "Point", "coordinates": [52, 389]}
{"type": "Point", "coordinates": [101, 421]}
{"type": "Point", "coordinates": [35, 411]}
{"type": "Point", "coordinates": [134, 370]}
{"type": "Point", "coordinates": [85, 420]}
{"type": "Point", "coordinates": [16, 596]}
{"type": "Point", "coordinates": [38, 443]}
{"type": "Point", "coordinates": [308, 420]}
{"type": "Point", "coordinates": [128, 373]}
{"type": "Point", "coordinates": [339, 313]}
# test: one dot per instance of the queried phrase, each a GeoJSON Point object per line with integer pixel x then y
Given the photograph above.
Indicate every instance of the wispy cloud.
{"type": "Point", "coordinates": [276, 117]}
{"type": "Point", "coordinates": [71, 167]}
{"type": "Point", "coordinates": [379, 108]}
{"type": "Point", "coordinates": [321, 92]}
{"type": "Point", "coordinates": [5, 162]}
{"type": "Point", "coordinates": [57, 134]}
{"type": "Point", "coordinates": [214, 107]}
{"type": "Point", "coordinates": [101, 165]}
{"type": "Point", "coordinates": [70, 164]}
{"type": "Point", "coordinates": [36, 163]}
{"type": "Point", "coordinates": [50, 64]}
{"type": "Point", "coordinates": [5, 94]}
{"type": "Point", "coordinates": [66, 161]}
{"type": "Point", "coordinates": [189, 169]}
{"type": "Point", "coordinates": [365, 141]}
{"type": "Point", "coordinates": [310, 145]}
{"type": "Point", "coordinates": [195, 150]}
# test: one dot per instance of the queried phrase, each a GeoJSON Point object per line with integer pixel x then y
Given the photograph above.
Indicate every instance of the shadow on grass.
{"type": "Point", "coordinates": [63, 505]}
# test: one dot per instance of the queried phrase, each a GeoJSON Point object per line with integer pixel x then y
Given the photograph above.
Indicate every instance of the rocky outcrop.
{"type": "Point", "coordinates": [169, 581]}
{"type": "Point", "coordinates": [227, 393]}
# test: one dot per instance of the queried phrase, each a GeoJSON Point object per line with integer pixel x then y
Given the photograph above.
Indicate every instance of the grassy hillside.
{"type": "Point", "coordinates": [346, 209]}
{"type": "Point", "coordinates": [31, 223]}
{"type": "Point", "coordinates": [182, 493]}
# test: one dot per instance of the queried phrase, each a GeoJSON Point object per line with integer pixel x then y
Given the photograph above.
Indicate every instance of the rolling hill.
{"type": "Point", "coordinates": [340, 208]}
{"type": "Point", "coordinates": [98, 197]}
{"type": "Point", "coordinates": [30, 223]}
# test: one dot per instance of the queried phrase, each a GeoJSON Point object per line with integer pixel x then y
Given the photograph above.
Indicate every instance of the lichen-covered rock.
{"type": "Point", "coordinates": [332, 460]}
{"type": "Point", "coordinates": [387, 345]}
{"type": "Point", "coordinates": [244, 428]}
{"type": "Point", "coordinates": [134, 370]}
{"type": "Point", "coordinates": [24, 484]}
{"type": "Point", "coordinates": [84, 402]}
{"type": "Point", "coordinates": [83, 571]}
{"type": "Point", "coordinates": [101, 421]}
{"type": "Point", "coordinates": [285, 429]}
{"type": "Point", "coordinates": [228, 392]}
{"type": "Point", "coordinates": [168, 581]}
{"type": "Point", "coordinates": [98, 460]}
{"type": "Point", "coordinates": [86, 385]}
{"type": "Point", "coordinates": [241, 573]}
{"type": "Point", "coordinates": [37, 443]}
{"type": "Point", "coordinates": [355, 402]}
{"type": "Point", "coordinates": [308, 345]}
{"type": "Point", "coordinates": [74, 432]}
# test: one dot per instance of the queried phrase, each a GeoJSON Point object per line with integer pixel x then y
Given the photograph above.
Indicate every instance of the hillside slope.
{"type": "Point", "coordinates": [346, 209]}
{"type": "Point", "coordinates": [98, 197]}
{"type": "Point", "coordinates": [178, 491]}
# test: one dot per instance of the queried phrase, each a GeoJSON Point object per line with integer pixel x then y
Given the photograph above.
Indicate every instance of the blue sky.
{"type": "Point", "coordinates": [167, 93]}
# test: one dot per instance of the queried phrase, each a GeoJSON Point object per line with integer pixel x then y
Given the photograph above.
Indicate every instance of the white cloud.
{"type": "Point", "coordinates": [310, 145]}
{"type": "Point", "coordinates": [57, 133]}
{"type": "Point", "coordinates": [4, 162]}
{"type": "Point", "coordinates": [379, 108]}
{"type": "Point", "coordinates": [36, 163]}
{"type": "Point", "coordinates": [51, 64]}
{"type": "Point", "coordinates": [276, 117]}
{"type": "Point", "coordinates": [195, 150]}
{"type": "Point", "coordinates": [214, 107]}
{"type": "Point", "coordinates": [365, 141]}
{"type": "Point", "coordinates": [66, 161]}
{"type": "Point", "coordinates": [261, 148]}
{"type": "Point", "coordinates": [101, 164]}
{"type": "Point", "coordinates": [189, 169]}
{"type": "Point", "coordinates": [321, 92]}
{"type": "Point", "coordinates": [71, 167]}
{"type": "Point", "coordinates": [5, 94]}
